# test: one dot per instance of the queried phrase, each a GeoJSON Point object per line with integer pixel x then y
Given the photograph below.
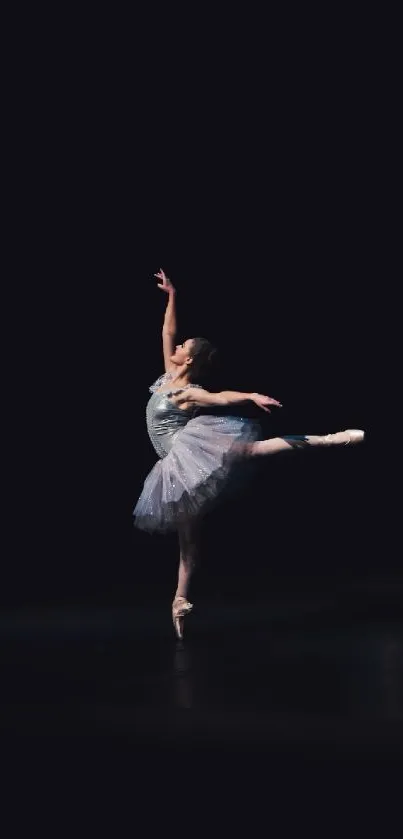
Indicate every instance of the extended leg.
{"type": "Point", "coordinates": [301, 441]}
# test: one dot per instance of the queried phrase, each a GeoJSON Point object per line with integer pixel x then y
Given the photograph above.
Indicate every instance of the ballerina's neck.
{"type": "Point", "coordinates": [180, 381]}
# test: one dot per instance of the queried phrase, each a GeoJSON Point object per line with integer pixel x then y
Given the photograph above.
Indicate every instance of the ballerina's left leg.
{"type": "Point", "coordinates": [290, 442]}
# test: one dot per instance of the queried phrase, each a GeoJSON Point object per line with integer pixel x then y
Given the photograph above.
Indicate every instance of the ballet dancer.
{"type": "Point", "coordinates": [201, 456]}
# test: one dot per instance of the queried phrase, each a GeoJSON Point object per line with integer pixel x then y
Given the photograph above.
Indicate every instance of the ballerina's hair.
{"type": "Point", "coordinates": [203, 354]}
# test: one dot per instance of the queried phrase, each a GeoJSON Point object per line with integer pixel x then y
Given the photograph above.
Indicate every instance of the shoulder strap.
{"type": "Point", "coordinates": [160, 381]}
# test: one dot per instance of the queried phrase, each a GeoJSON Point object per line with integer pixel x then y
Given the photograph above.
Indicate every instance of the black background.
{"type": "Point", "coordinates": [248, 173]}
{"type": "Point", "coordinates": [248, 154]}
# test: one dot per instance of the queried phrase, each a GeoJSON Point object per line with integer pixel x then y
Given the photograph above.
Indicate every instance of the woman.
{"type": "Point", "coordinates": [201, 456]}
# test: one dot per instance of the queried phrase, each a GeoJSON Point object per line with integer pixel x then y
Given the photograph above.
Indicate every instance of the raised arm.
{"type": "Point", "coordinates": [203, 398]}
{"type": "Point", "coordinates": [169, 326]}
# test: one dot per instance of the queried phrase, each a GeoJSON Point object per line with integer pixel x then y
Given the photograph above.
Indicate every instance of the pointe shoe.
{"type": "Point", "coordinates": [344, 438]}
{"type": "Point", "coordinates": [180, 608]}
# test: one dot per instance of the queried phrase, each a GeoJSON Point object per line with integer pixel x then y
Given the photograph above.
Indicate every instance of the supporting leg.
{"type": "Point", "coordinates": [188, 558]}
{"type": "Point", "coordinates": [189, 543]}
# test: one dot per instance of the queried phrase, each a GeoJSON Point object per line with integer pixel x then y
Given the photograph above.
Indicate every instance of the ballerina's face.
{"type": "Point", "coordinates": [183, 353]}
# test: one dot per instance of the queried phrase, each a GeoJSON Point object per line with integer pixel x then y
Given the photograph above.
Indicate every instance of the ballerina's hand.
{"type": "Point", "coordinates": [166, 284]}
{"type": "Point", "coordinates": [263, 402]}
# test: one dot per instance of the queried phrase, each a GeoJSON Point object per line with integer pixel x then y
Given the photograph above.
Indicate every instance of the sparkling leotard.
{"type": "Point", "coordinates": [199, 460]}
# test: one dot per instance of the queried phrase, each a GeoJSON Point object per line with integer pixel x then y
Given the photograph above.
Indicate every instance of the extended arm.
{"type": "Point", "coordinates": [203, 398]}
{"type": "Point", "coordinates": [169, 325]}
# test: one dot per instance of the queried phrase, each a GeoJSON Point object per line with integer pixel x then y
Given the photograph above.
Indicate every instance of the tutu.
{"type": "Point", "coordinates": [201, 462]}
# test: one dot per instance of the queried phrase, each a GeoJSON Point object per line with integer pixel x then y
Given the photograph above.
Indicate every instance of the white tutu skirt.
{"type": "Point", "coordinates": [206, 463]}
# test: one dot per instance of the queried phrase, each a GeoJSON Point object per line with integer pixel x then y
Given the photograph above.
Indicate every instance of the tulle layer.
{"type": "Point", "coordinates": [207, 463]}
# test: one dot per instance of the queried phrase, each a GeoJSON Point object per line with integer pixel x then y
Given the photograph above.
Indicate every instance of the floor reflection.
{"type": "Point", "coordinates": [343, 673]}
{"type": "Point", "coordinates": [183, 676]}
{"type": "Point", "coordinates": [331, 676]}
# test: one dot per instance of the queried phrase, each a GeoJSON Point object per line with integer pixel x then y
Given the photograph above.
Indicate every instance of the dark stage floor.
{"type": "Point", "coordinates": [315, 676]}
{"type": "Point", "coordinates": [287, 709]}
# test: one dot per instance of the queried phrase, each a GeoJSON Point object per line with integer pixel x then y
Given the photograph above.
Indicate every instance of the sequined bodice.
{"type": "Point", "coordinates": [164, 418]}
